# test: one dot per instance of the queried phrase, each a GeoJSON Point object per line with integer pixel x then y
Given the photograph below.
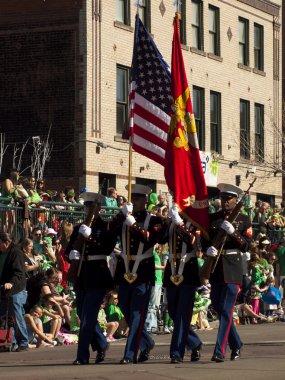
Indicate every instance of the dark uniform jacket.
{"type": "Point", "coordinates": [14, 270]}
{"type": "Point", "coordinates": [95, 274]}
{"type": "Point", "coordinates": [229, 268]}
{"type": "Point", "coordinates": [155, 233]}
{"type": "Point", "coordinates": [191, 269]}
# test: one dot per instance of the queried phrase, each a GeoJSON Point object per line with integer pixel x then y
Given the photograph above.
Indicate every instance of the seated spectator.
{"type": "Point", "coordinates": [109, 327]}
{"type": "Point", "coordinates": [35, 328]}
{"type": "Point", "coordinates": [114, 314]}
{"type": "Point", "coordinates": [74, 319]}
{"type": "Point", "coordinates": [51, 319]}
{"type": "Point", "coordinates": [9, 191]}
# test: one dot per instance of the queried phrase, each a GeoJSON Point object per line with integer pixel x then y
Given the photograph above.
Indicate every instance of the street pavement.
{"type": "Point", "coordinates": [263, 357]}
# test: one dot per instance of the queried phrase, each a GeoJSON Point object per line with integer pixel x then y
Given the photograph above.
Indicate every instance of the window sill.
{"type": "Point", "coordinates": [259, 72]}
{"type": "Point", "coordinates": [197, 51]}
{"type": "Point", "coordinates": [120, 139]}
{"type": "Point", "coordinates": [185, 47]}
{"type": "Point", "coordinates": [247, 161]}
{"type": "Point", "coordinates": [244, 67]}
{"type": "Point", "coordinates": [215, 57]}
{"type": "Point", "coordinates": [120, 25]}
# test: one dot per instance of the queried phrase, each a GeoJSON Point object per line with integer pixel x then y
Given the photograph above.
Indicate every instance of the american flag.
{"type": "Point", "coordinates": [150, 97]}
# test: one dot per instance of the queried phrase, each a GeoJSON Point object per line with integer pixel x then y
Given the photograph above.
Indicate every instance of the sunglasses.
{"type": "Point", "coordinates": [38, 234]}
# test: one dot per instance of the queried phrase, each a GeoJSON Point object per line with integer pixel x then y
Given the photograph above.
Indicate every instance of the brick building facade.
{"type": "Point", "coordinates": [65, 64]}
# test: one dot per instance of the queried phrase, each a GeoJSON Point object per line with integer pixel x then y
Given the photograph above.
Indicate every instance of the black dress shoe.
{"type": "Point", "coordinates": [235, 355]}
{"type": "Point", "coordinates": [175, 359]}
{"type": "Point", "coordinates": [217, 358]}
{"type": "Point", "coordinates": [101, 355]}
{"type": "Point", "coordinates": [80, 362]}
{"type": "Point", "coordinates": [126, 361]}
{"type": "Point", "coordinates": [144, 355]}
{"type": "Point", "coordinates": [196, 353]}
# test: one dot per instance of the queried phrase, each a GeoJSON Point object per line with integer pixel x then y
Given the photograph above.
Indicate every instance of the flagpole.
{"type": "Point", "coordinates": [130, 169]}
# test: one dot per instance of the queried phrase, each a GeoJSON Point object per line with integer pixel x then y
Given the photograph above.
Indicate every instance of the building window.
{"type": "Point", "coordinates": [147, 182]}
{"type": "Point", "coordinates": [259, 131]}
{"type": "Point", "coordinates": [215, 121]}
{"type": "Point", "coordinates": [244, 129]}
{"type": "Point", "coordinates": [243, 41]}
{"type": "Point", "coordinates": [106, 181]}
{"type": "Point", "coordinates": [199, 112]}
{"type": "Point", "coordinates": [144, 12]}
{"type": "Point", "coordinates": [123, 74]}
{"type": "Point", "coordinates": [197, 24]}
{"type": "Point", "coordinates": [183, 24]}
{"type": "Point", "coordinates": [258, 47]}
{"type": "Point", "coordinates": [214, 30]}
{"type": "Point", "coordinates": [123, 11]}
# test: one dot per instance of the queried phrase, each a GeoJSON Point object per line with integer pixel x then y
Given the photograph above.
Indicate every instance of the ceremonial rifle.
{"type": "Point", "coordinates": [79, 245]}
{"type": "Point", "coordinates": [211, 262]}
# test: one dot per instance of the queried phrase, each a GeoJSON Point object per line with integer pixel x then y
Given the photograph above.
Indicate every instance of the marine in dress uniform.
{"type": "Point", "coordinates": [135, 272]}
{"type": "Point", "coordinates": [95, 278]}
{"type": "Point", "coordinates": [227, 277]}
{"type": "Point", "coordinates": [181, 278]}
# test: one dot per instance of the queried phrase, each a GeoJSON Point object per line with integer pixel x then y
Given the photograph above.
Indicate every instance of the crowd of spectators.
{"type": "Point", "coordinates": [50, 316]}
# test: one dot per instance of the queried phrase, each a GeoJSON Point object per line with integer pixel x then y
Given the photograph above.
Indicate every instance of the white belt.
{"type": "Point", "coordinates": [231, 252]}
{"type": "Point", "coordinates": [138, 258]}
{"type": "Point", "coordinates": [96, 257]}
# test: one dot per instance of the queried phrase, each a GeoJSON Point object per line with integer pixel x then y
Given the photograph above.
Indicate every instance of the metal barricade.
{"type": "Point", "coordinates": [44, 215]}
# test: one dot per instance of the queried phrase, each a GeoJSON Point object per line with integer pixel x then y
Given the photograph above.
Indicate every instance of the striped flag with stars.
{"type": "Point", "coordinates": [150, 97]}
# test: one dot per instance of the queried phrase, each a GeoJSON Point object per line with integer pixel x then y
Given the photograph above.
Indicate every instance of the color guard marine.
{"type": "Point", "coordinates": [181, 278]}
{"type": "Point", "coordinates": [227, 276]}
{"type": "Point", "coordinates": [135, 271]}
{"type": "Point", "coordinates": [94, 279]}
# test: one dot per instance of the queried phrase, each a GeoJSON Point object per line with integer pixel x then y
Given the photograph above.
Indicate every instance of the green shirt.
{"type": "Point", "coordinates": [74, 326]}
{"type": "Point", "coordinates": [2, 262]}
{"type": "Point", "coordinates": [280, 253]}
{"type": "Point", "coordinates": [200, 262]}
{"type": "Point", "coordinates": [158, 272]}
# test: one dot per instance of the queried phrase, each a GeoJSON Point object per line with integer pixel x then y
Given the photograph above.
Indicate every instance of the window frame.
{"type": "Point", "coordinates": [183, 24]}
{"type": "Point", "coordinates": [126, 104]}
{"type": "Point", "coordinates": [147, 8]}
{"type": "Point", "coordinates": [260, 50]}
{"type": "Point", "coordinates": [259, 136]}
{"type": "Point", "coordinates": [200, 27]}
{"type": "Point", "coordinates": [245, 132]}
{"type": "Point", "coordinates": [127, 11]}
{"type": "Point", "coordinates": [200, 119]}
{"type": "Point", "coordinates": [246, 43]}
{"type": "Point", "coordinates": [217, 46]}
{"type": "Point", "coordinates": [216, 146]}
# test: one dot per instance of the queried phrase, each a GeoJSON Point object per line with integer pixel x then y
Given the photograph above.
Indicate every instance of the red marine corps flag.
{"type": "Point", "coordinates": [183, 169]}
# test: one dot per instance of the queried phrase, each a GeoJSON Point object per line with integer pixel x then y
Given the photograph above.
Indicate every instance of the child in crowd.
{"type": "Point", "coordinates": [51, 319]}
{"type": "Point", "coordinates": [109, 327]}
{"type": "Point", "coordinates": [35, 328]}
{"type": "Point", "coordinates": [74, 319]}
{"type": "Point", "coordinates": [114, 314]}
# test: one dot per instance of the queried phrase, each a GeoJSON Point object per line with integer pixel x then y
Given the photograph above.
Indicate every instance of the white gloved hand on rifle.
{"type": "Point", "coordinates": [228, 227]}
{"type": "Point", "coordinates": [127, 209]}
{"type": "Point", "coordinates": [246, 256]}
{"type": "Point", "coordinates": [74, 255]}
{"type": "Point", "coordinates": [175, 217]}
{"type": "Point", "coordinates": [212, 251]}
{"type": "Point", "coordinates": [130, 220]}
{"type": "Point", "coordinates": [85, 230]}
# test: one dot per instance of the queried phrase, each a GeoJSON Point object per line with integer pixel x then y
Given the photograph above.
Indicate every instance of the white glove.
{"type": "Point", "coordinates": [74, 255]}
{"type": "Point", "coordinates": [127, 209]}
{"type": "Point", "coordinates": [212, 252]}
{"type": "Point", "coordinates": [246, 256]}
{"type": "Point", "coordinates": [130, 220]}
{"type": "Point", "coordinates": [85, 230]}
{"type": "Point", "coordinates": [175, 216]}
{"type": "Point", "coordinates": [228, 227]}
